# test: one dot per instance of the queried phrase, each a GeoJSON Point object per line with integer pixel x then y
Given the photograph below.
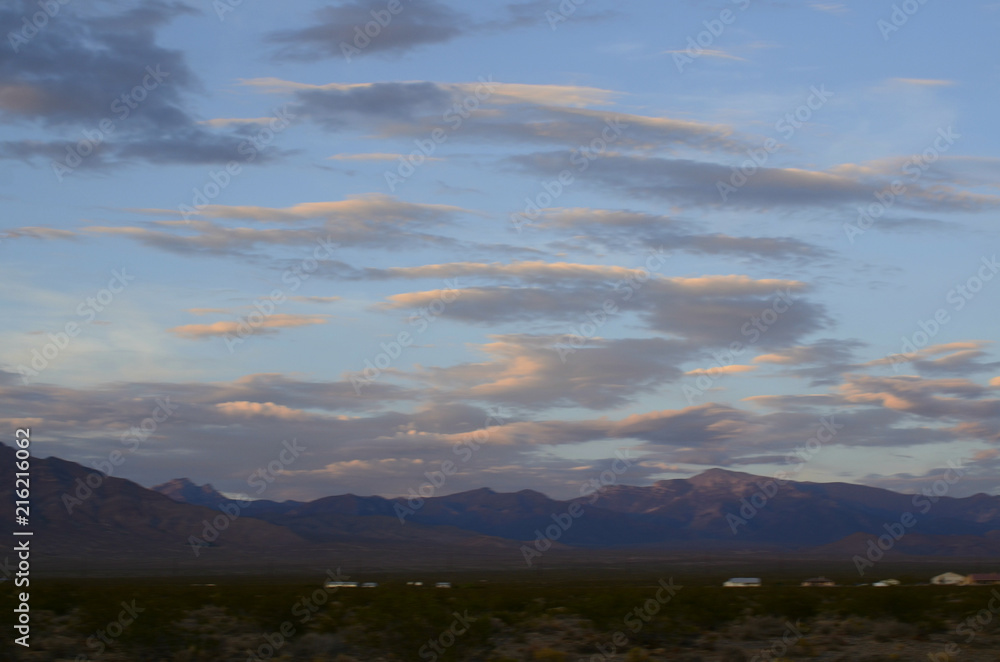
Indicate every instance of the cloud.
{"type": "Point", "coordinates": [539, 371]}
{"type": "Point", "coordinates": [611, 229]}
{"type": "Point", "coordinates": [316, 299]}
{"type": "Point", "coordinates": [244, 409]}
{"type": "Point", "coordinates": [922, 397]}
{"type": "Point", "coordinates": [371, 221]}
{"type": "Point", "coordinates": [34, 232]}
{"type": "Point", "coordinates": [333, 31]}
{"type": "Point", "coordinates": [90, 69]}
{"type": "Point", "coordinates": [924, 82]}
{"type": "Point", "coordinates": [829, 7]}
{"type": "Point", "coordinates": [696, 183]}
{"type": "Point", "coordinates": [960, 358]}
{"type": "Point", "coordinates": [270, 324]}
{"type": "Point", "coordinates": [375, 156]}
{"type": "Point", "coordinates": [978, 477]}
{"type": "Point", "coordinates": [209, 311]}
{"type": "Point", "coordinates": [356, 209]}
{"type": "Point", "coordinates": [711, 52]}
{"type": "Point", "coordinates": [237, 121]}
{"type": "Point", "coordinates": [725, 370]}
{"type": "Point", "coordinates": [357, 28]}
{"type": "Point", "coordinates": [223, 431]}
{"type": "Point", "coordinates": [823, 362]}
{"type": "Point", "coordinates": [714, 310]}
{"type": "Point", "coordinates": [494, 112]}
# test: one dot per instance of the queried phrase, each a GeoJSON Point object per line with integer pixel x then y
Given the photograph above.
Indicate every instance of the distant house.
{"type": "Point", "coordinates": [341, 584]}
{"type": "Point", "coordinates": [819, 581]}
{"type": "Point", "coordinates": [985, 579]}
{"type": "Point", "coordinates": [443, 585]}
{"type": "Point", "coordinates": [414, 583]}
{"type": "Point", "coordinates": [887, 582]}
{"type": "Point", "coordinates": [743, 581]}
{"type": "Point", "coordinates": [370, 585]}
{"type": "Point", "coordinates": [948, 579]}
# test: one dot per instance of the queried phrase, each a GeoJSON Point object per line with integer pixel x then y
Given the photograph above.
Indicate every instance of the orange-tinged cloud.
{"type": "Point", "coordinates": [269, 324]}
{"type": "Point", "coordinates": [244, 409]}
{"type": "Point", "coordinates": [721, 370]}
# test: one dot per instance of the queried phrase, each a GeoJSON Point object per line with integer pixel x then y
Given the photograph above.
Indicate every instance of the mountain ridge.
{"type": "Point", "coordinates": [119, 525]}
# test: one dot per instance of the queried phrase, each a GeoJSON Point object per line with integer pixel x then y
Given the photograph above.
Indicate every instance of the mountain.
{"type": "Point", "coordinates": [719, 509]}
{"type": "Point", "coordinates": [183, 490]}
{"type": "Point", "coordinates": [85, 522]}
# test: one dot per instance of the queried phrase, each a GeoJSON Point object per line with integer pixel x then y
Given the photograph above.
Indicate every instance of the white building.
{"type": "Point", "coordinates": [341, 584]}
{"type": "Point", "coordinates": [948, 579]}
{"type": "Point", "coordinates": [743, 581]}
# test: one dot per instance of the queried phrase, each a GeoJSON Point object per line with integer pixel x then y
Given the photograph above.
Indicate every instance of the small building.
{"type": "Point", "coordinates": [887, 582]}
{"type": "Point", "coordinates": [743, 581]}
{"type": "Point", "coordinates": [984, 579]}
{"type": "Point", "coordinates": [819, 581]}
{"type": "Point", "coordinates": [443, 585]}
{"type": "Point", "coordinates": [414, 583]}
{"type": "Point", "coordinates": [370, 585]}
{"type": "Point", "coordinates": [948, 579]}
{"type": "Point", "coordinates": [341, 585]}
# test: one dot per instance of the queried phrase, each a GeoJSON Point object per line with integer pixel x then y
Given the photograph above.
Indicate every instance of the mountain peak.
{"type": "Point", "coordinates": [184, 490]}
{"type": "Point", "coordinates": [721, 478]}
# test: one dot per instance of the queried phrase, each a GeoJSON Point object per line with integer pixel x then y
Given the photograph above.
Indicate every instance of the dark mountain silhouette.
{"type": "Point", "coordinates": [85, 520]}
{"type": "Point", "coordinates": [718, 508]}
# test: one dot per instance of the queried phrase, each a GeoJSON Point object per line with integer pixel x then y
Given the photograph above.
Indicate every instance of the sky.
{"type": "Point", "coordinates": [405, 247]}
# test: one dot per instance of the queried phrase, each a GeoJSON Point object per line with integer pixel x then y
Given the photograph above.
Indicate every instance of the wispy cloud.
{"type": "Point", "coordinates": [270, 324]}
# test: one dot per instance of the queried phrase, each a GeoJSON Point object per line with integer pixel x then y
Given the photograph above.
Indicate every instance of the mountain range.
{"type": "Point", "coordinates": [84, 521]}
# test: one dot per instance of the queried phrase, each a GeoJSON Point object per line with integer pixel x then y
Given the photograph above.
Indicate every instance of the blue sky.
{"type": "Point", "coordinates": [569, 211]}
